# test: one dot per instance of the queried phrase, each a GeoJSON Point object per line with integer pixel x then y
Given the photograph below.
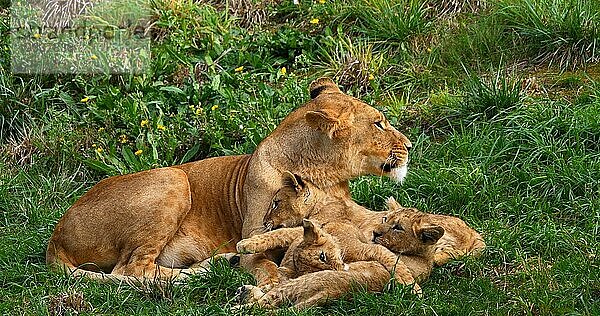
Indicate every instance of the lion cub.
{"type": "Point", "coordinates": [408, 233]}
{"type": "Point", "coordinates": [298, 199]}
{"type": "Point", "coordinates": [309, 249]}
{"type": "Point", "coordinates": [458, 240]}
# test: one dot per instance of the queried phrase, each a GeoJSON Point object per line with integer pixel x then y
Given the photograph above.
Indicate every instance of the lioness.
{"type": "Point", "coordinates": [154, 223]}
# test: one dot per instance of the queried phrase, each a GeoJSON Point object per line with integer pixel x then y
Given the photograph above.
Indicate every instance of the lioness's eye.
{"type": "Point", "coordinates": [322, 257]}
{"type": "Point", "coordinates": [275, 204]}
{"type": "Point", "coordinates": [384, 219]}
{"type": "Point", "coordinates": [379, 125]}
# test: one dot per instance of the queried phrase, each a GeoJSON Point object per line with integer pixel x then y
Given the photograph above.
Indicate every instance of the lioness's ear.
{"type": "Point", "coordinates": [392, 204]}
{"type": "Point", "coordinates": [330, 122]}
{"type": "Point", "coordinates": [322, 85]}
{"type": "Point", "coordinates": [429, 235]}
{"type": "Point", "coordinates": [294, 181]}
{"type": "Point", "coordinates": [310, 231]}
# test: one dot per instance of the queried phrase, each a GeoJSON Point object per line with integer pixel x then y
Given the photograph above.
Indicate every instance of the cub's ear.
{"type": "Point", "coordinates": [429, 235]}
{"type": "Point", "coordinates": [392, 204]}
{"type": "Point", "coordinates": [330, 122]}
{"type": "Point", "coordinates": [310, 231]}
{"type": "Point", "coordinates": [322, 85]}
{"type": "Point", "coordinates": [293, 181]}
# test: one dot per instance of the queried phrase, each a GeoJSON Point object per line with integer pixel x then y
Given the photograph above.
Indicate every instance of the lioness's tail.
{"type": "Point", "coordinates": [57, 260]}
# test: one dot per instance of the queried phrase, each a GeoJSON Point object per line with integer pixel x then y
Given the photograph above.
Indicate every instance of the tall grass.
{"type": "Point", "coordinates": [489, 97]}
{"type": "Point", "coordinates": [517, 161]}
{"type": "Point", "coordinates": [561, 33]}
{"type": "Point", "coordinates": [392, 21]}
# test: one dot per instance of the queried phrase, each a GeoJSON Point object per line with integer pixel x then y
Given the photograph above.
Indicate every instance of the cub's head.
{"type": "Point", "coordinates": [292, 203]}
{"type": "Point", "coordinates": [407, 231]}
{"type": "Point", "coordinates": [366, 141]}
{"type": "Point", "coordinates": [317, 251]}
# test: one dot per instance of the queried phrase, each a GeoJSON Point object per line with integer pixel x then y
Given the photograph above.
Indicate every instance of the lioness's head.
{"type": "Point", "coordinates": [291, 203]}
{"type": "Point", "coordinates": [369, 144]}
{"type": "Point", "coordinates": [317, 251]}
{"type": "Point", "coordinates": [407, 231]}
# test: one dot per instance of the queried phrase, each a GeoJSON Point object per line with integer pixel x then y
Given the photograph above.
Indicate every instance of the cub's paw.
{"type": "Point", "coordinates": [249, 245]}
{"type": "Point", "coordinates": [416, 290]}
{"type": "Point", "coordinates": [402, 275]}
{"type": "Point", "coordinates": [248, 294]}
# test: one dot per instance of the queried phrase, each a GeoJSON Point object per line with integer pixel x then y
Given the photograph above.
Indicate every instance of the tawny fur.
{"type": "Point", "coordinates": [318, 287]}
{"type": "Point", "coordinates": [154, 223]}
{"type": "Point", "coordinates": [298, 199]}
{"type": "Point", "coordinates": [308, 249]}
{"type": "Point", "coordinates": [459, 239]}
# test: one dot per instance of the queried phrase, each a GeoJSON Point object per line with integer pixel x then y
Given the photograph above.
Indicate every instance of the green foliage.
{"type": "Point", "coordinates": [490, 97]}
{"type": "Point", "coordinates": [511, 149]}
{"type": "Point", "coordinates": [566, 33]}
{"type": "Point", "coordinates": [391, 21]}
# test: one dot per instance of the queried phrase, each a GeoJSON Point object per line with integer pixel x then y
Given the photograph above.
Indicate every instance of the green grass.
{"type": "Point", "coordinates": [501, 101]}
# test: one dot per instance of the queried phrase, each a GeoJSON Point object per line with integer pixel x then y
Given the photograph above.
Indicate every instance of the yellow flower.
{"type": "Point", "coordinates": [144, 123]}
{"type": "Point", "coordinates": [321, 1]}
{"type": "Point", "coordinates": [314, 21]}
{"type": "Point", "coordinates": [429, 49]}
{"type": "Point", "coordinates": [94, 57]}
{"type": "Point", "coordinates": [239, 69]}
{"type": "Point", "coordinates": [371, 77]}
{"type": "Point", "coordinates": [93, 145]}
{"type": "Point", "coordinates": [198, 111]}
{"type": "Point", "coordinates": [214, 107]}
{"type": "Point", "coordinates": [191, 107]}
{"type": "Point", "coordinates": [138, 152]}
{"type": "Point", "coordinates": [123, 139]}
{"type": "Point", "coordinates": [99, 150]}
{"type": "Point", "coordinates": [101, 129]}
{"type": "Point", "coordinates": [37, 35]}
{"type": "Point", "coordinates": [84, 100]}
{"type": "Point", "coordinates": [283, 71]}
{"type": "Point", "coordinates": [161, 127]}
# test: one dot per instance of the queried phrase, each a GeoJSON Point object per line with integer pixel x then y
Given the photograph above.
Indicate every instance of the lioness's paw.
{"type": "Point", "coordinates": [247, 246]}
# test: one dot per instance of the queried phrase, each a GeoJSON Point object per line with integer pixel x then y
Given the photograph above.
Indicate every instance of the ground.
{"type": "Point", "coordinates": [500, 99]}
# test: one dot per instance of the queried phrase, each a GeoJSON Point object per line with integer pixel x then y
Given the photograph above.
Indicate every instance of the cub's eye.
{"type": "Point", "coordinates": [306, 196]}
{"type": "Point", "coordinates": [397, 228]}
{"type": "Point", "coordinates": [379, 125]}
{"type": "Point", "coordinates": [384, 219]}
{"type": "Point", "coordinates": [323, 257]}
{"type": "Point", "coordinates": [275, 204]}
